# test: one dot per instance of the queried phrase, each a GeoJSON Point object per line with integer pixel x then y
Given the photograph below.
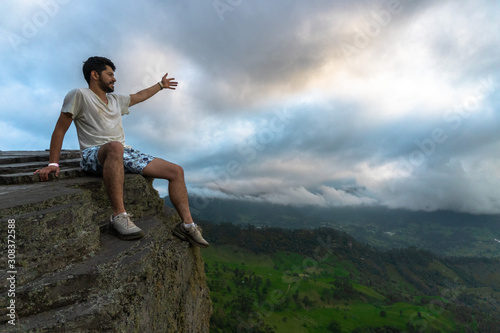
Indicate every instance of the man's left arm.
{"type": "Point", "coordinates": [141, 96]}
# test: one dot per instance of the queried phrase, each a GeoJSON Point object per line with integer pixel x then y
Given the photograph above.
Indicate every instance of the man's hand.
{"type": "Point", "coordinates": [44, 173]}
{"type": "Point", "coordinates": [168, 83]}
{"type": "Point", "coordinates": [141, 96]}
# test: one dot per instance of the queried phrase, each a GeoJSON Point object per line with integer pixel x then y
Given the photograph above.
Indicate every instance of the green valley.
{"type": "Point", "coordinates": [322, 280]}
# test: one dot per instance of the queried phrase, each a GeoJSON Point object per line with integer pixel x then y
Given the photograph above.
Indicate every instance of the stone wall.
{"type": "Point", "coordinates": [71, 275]}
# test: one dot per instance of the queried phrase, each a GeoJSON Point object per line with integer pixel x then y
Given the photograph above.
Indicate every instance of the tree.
{"type": "Point", "coordinates": [335, 327]}
{"type": "Point", "coordinates": [307, 302]}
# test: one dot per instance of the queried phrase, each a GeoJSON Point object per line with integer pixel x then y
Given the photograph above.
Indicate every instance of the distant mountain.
{"type": "Point", "coordinates": [442, 232]}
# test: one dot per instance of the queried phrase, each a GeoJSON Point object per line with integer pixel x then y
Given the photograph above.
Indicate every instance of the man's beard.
{"type": "Point", "coordinates": [107, 88]}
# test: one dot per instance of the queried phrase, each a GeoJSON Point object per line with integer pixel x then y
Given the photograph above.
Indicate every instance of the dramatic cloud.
{"type": "Point", "coordinates": [325, 103]}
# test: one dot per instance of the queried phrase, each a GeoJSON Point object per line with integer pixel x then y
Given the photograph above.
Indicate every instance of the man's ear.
{"type": "Point", "coordinates": [94, 75]}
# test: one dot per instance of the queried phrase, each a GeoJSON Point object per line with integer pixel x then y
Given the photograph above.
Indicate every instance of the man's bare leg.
{"type": "Point", "coordinates": [110, 156]}
{"type": "Point", "coordinates": [177, 191]}
{"type": "Point", "coordinates": [185, 230]}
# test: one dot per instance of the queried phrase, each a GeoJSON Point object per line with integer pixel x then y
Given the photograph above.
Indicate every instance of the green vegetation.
{"type": "Point", "coordinates": [350, 269]}
{"type": "Point", "coordinates": [321, 280]}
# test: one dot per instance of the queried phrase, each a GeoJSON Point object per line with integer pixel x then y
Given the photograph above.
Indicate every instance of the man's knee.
{"type": "Point", "coordinates": [114, 146]}
{"type": "Point", "coordinates": [171, 172]}
{"type": "Point", "coordinates": [178, 172]}
{"type": "Point", "coordinates": [113, 149]}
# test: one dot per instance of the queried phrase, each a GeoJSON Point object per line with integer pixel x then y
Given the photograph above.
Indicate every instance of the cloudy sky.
{"type": "Point", "coordinates": [315, 102]}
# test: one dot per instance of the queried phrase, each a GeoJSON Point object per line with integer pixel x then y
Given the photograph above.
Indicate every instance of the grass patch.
{"type": "Point", "coordinates": [294, 297]}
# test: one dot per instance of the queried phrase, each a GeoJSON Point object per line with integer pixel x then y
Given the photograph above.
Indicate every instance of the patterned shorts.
{"type": "Point", "coordinates": [133, 161]}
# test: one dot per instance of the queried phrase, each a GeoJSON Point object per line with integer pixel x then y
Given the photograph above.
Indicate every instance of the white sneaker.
{"type": "Point", "coordinates": [192, 234]}
{"type": "Point", "coordinates": [122, 226]}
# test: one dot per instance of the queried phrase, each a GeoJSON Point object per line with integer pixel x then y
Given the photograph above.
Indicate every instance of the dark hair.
{"type": "Point", "coordinates": [97, 64]}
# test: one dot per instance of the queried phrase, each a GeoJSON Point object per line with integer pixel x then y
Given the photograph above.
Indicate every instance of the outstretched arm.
{"type": "Point", "coordinates": [56, 142]}
{"type": "Point", "coordinates": [143, 95]}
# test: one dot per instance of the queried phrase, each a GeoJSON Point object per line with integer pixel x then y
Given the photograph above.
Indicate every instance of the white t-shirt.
{"type": "Point", "coordinates": [96, 123]}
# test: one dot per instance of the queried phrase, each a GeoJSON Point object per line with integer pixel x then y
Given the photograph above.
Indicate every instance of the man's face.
{"type": "Point", "coordinates": [107, 80]}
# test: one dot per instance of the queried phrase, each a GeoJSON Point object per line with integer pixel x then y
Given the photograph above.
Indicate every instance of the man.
{"type": "Point", "coordinates": [97, 114]}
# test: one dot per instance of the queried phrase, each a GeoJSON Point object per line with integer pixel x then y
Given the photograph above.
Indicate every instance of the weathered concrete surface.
{"type": "Point", "coordinates": [17, 167]}
{"type": "Point", "coordinates": [73, 276]}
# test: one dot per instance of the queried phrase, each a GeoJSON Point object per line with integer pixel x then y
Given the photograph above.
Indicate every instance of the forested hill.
{"type": "Point", "coordinates": [468, 289]}
{"type": "Point", "coordinates": [433, 270]}
{"type": "Point", "coordinates": [442, 232]}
